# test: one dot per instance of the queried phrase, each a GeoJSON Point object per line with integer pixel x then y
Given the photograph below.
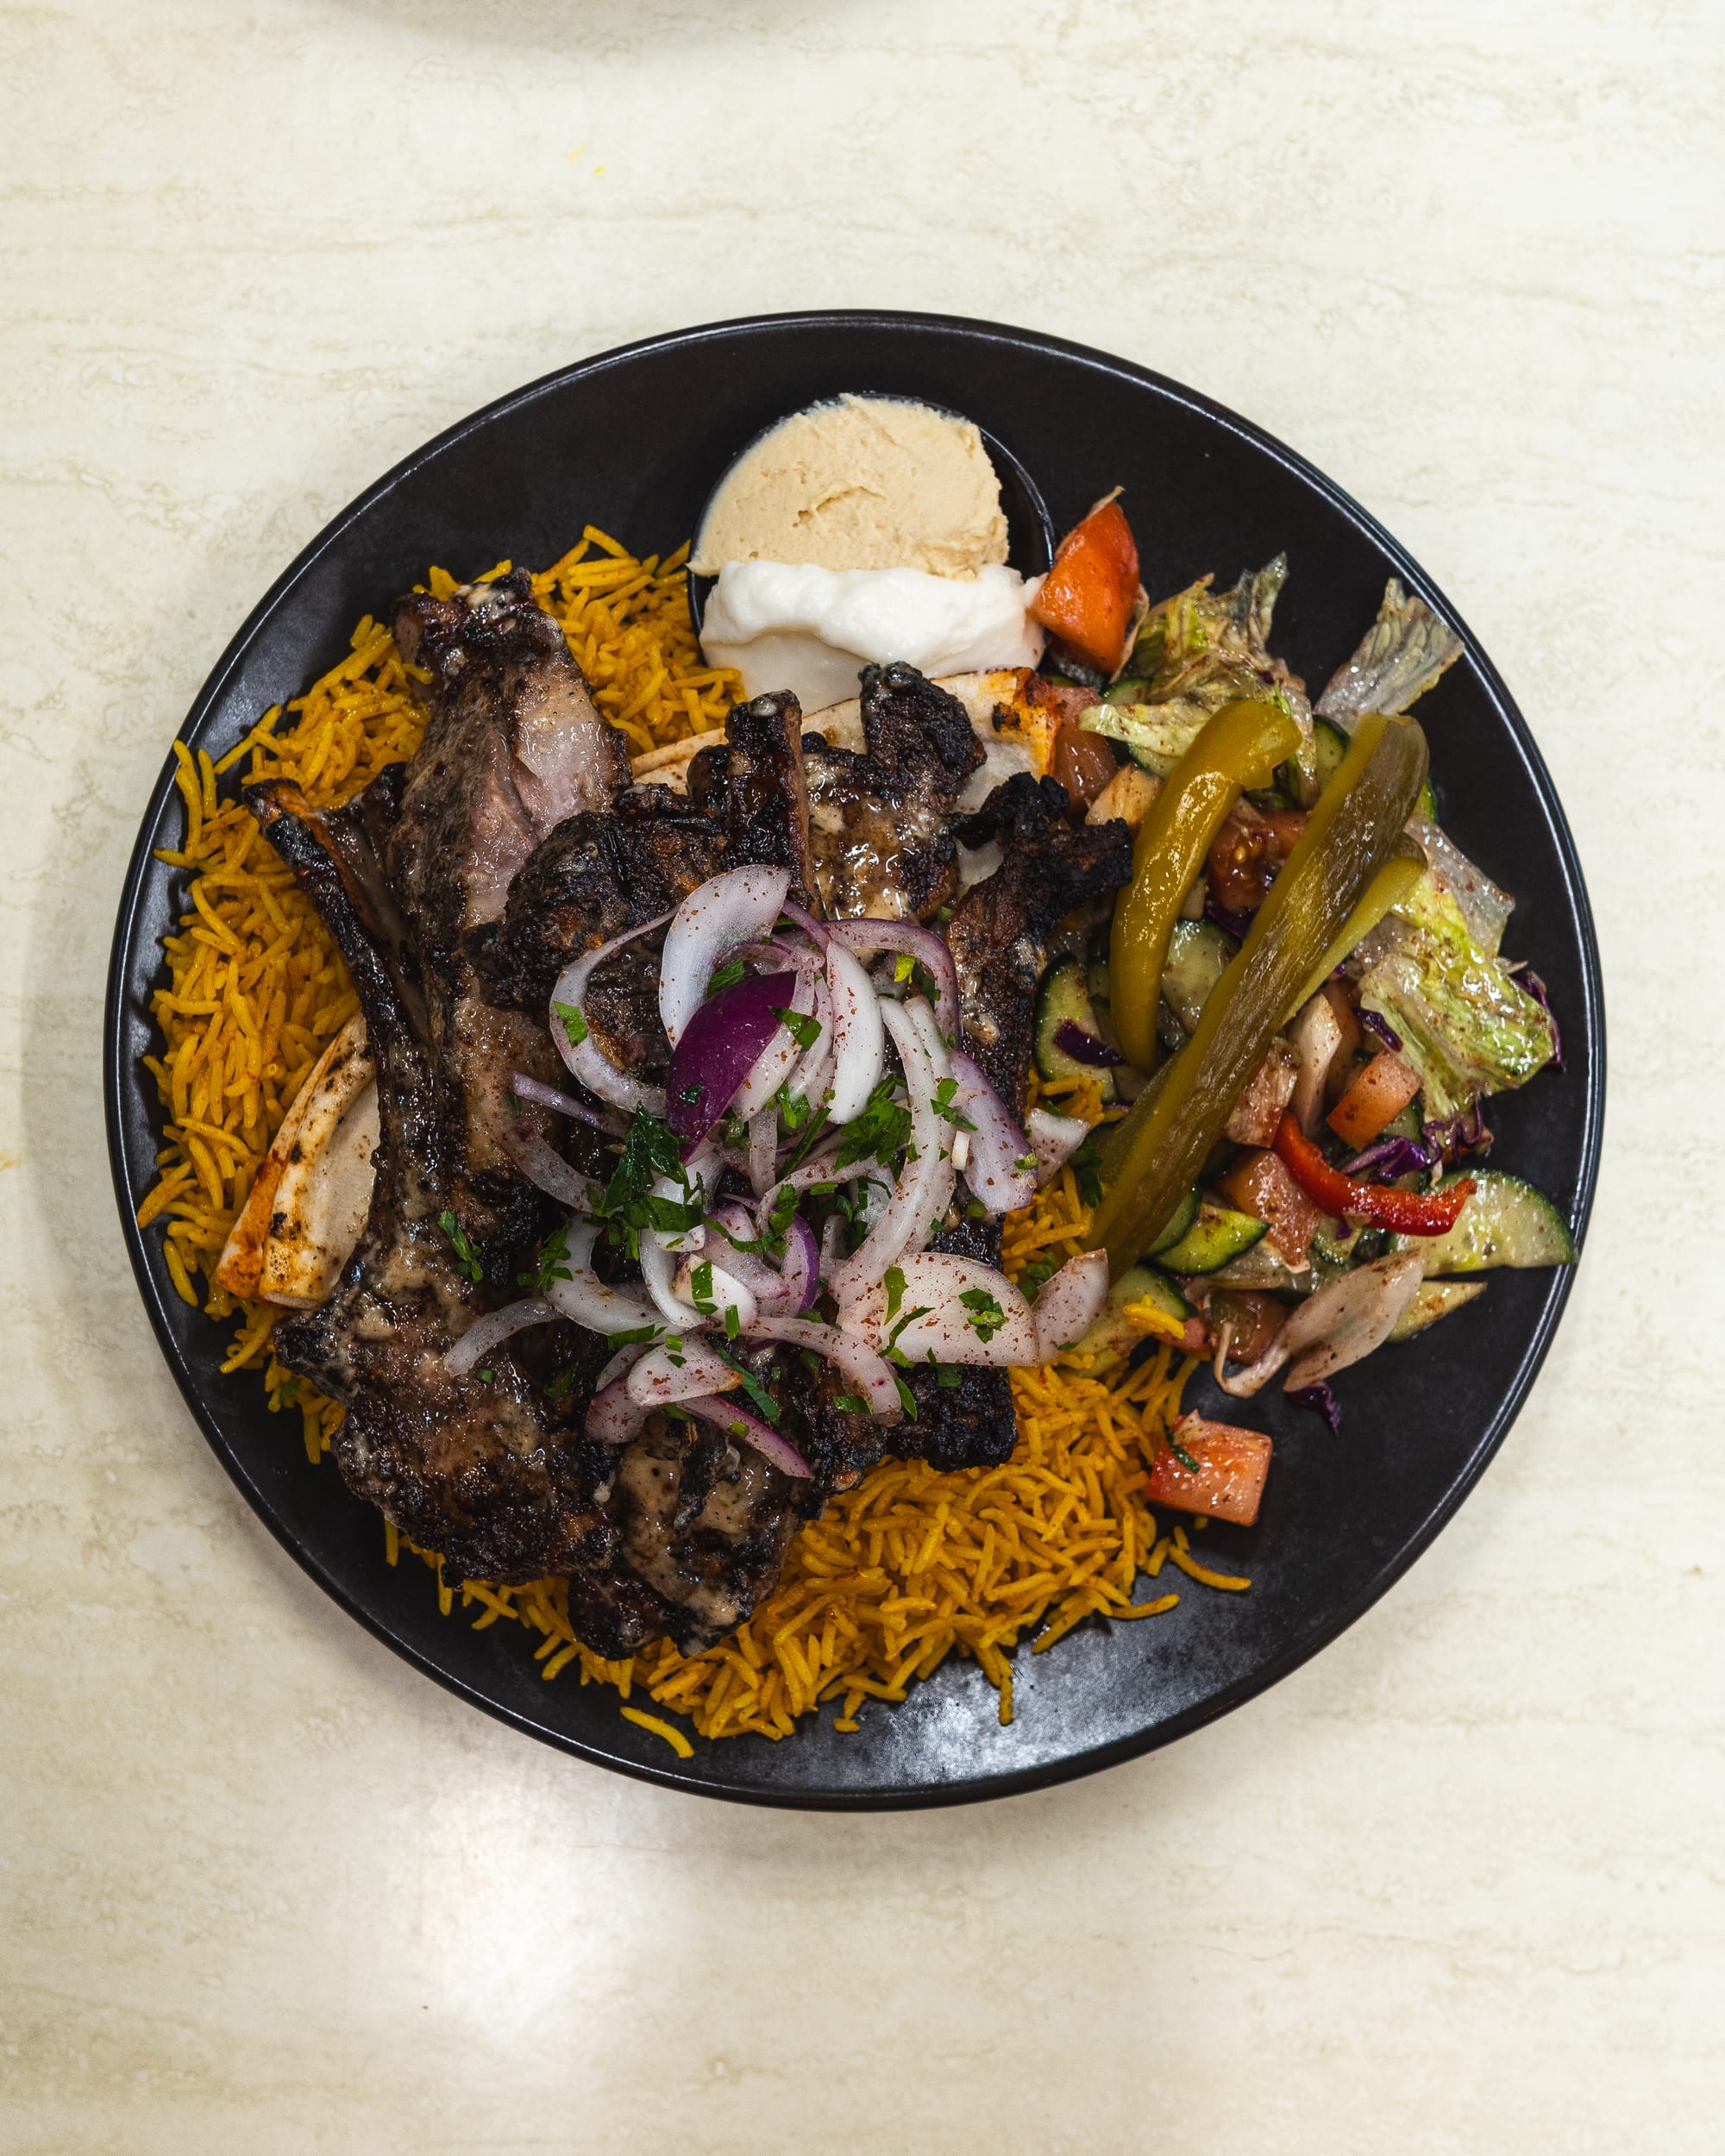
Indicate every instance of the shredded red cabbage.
{"type": "Point", "coordinates": [1236, 924]}
{"type": "Point", "coordinates": [1536, 988]}
{"type": "Point", "coordinates": [1323, 1401]}
{"type": "Point", "coordinates": [1385, 1032]}
{"type": "Point", "coordinates": [1389, 1157]}
{"type": "Point", "coordinates": [1071, 1039]}
{"type": "Point", "coordinates": [1455, 1136]}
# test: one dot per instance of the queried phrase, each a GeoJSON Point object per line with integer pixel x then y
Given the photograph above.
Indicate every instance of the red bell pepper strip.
{"type": "Point", "coordinates": [1088, 597]}
{"type": "Point", "coordinates": [1406, 1212]}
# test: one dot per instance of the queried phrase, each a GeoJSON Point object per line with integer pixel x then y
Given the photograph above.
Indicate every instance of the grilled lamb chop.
{"type": "Point", "coordinates": [412, 879]}
{"type": "Point", "coordinates": [879, 817]}
{"type": "Point", "coordinates": [758, 783]}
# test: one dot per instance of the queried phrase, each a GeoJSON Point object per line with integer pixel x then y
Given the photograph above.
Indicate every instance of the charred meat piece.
{"type": "Point", "coordinates": [757, 784]}
{"type": "Point", "coordinates": [597, 874]}
{"type": "Point", "coordinates": [879, 817]}
{"type": "Point", "coordinates": [999, 931]}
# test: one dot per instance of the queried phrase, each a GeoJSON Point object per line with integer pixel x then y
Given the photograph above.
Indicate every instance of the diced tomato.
{"type": "Point", "coordinates": [1083, 763]}
{"type": "Point", "coordinates": [1247, 851]}
{"type": "Point", "coordinates": [1231, 1465]}
{"type": "Point", "coordinates": [1088, 596]}
{"type": "Point", "coordinates": [1377, 1095]}
{"type": "Point", "coordinates": [1259, 1184]}
{"type": "Point", "coordinates": [1340, 1072]}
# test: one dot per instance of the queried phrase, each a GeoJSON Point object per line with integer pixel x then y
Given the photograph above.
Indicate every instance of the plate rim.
{"type": "Point", "coordinates": [1588, 1027]}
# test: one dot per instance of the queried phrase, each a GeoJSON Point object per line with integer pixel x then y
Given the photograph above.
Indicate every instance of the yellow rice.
{"type": "Point", "coordinates": [897, 1574]}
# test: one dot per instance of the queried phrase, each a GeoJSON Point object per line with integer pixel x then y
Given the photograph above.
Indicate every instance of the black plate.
{"type": "Point", "coordinates": [634, 440]}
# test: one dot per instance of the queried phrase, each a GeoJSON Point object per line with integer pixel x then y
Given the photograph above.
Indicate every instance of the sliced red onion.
{"type": "Point", "coordinates": [859, 1040]}
{"type": "Point", "coordinates": [728, 1292]}
{"type": "Point", "coordinates": [832, 1245]}
{"type": "Point", "coordinates": [613, 1417]}
{"type": "Point", "coordinates": [1070, 1303]}
{"type": "Point", "coordinates": [865, 938]}
{"type": "Point", "coordinates": [782, 1054]}
{"type": "Point", "coordinates": [762, 1280]}
{"type": "Point", "coordinates": [763, 1149]}
{"type": "Point", "coordinates": [665, 1374]}
{"type": "Point", "coordinates": [801, 1270]}
{"type": "Point", "coordinates": [485, 1333]}
{"type": "Point", "coordinates": [871, 1375]}
{"type": "Point", "coordinates": [936, 1280]}
{"type": "Point", "coordinates": [1071, 1039]}
{"type": "Point", "coordinates": [526, 1088]}
{"type": "Point", "coordinates": [590, 1301]}
{"type": "Point", "coordinates": [751, 1429]}
{"type": "Point", "coordinates": [809, 1078]}
{"type": "Point", "coordinates": [996, 1169]}
{"type": "Point", "coordinates": [623, 1360]}
{"type": "Point", "coordinates": [925, 1190]}
{"type": "Point", "coordinates": [728, 909]}
{"type": "Point", "coordinates": [545, 1167]}
{"type": "Point", "coordinates": [821, 1166]}
{"type": "Point", "coordinates": [720, 1044]}
{"type": "Point", "coordinates": [596, 1071]}
{"type": "Point", "coordinates": [816, 930]}
{"type": "Point", "coordinates": [1054, 1139]}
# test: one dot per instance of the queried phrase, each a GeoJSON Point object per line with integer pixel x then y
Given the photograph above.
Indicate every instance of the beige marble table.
{"type": "Point", "coordinates": [1456, 1886]}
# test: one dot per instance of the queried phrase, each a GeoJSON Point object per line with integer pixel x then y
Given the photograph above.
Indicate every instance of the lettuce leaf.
{"type": "Point", "coordinates": [1466, 1024]}
{"type": "Point", "coordinates": [1404, 651]}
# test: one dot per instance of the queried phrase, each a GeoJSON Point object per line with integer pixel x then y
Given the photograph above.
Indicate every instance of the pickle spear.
{"type": "Point", "coordinates": [1240, 747]}
{"type": "Point", "coordinates": [1151, 1158]}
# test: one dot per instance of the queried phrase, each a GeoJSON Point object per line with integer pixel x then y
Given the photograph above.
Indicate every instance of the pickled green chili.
{"type": "Point", "coordinates": [1240, 747]}
{"type": "Point", "coordinates": [1155, 1155]}
{"type": "Point", "coordinates": [1392, 883]}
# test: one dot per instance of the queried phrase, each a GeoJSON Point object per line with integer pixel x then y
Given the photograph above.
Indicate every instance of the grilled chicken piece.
{"type": "Point", "coordinates": [879, 817]}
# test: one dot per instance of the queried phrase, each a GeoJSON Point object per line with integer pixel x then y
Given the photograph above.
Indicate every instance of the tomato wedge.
{"type": "Point", "coordinates": [1231, 1463]}
{"type": "Point", "coordinates": [1088, 596]}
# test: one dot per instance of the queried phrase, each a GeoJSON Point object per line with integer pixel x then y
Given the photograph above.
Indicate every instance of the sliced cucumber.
{"type": "Point", "coordinates": [1198, 956]}
{"type": "Point", "coordinates": [1505, 1222]}
{"type": "Point", "coordinates": [1260, 1267]}
{"type": "Point", "coordinates": [1096, 979]}
{"type": "Point", "coordinates": [1184, 1214]}
{"type": "Point", "coordinates": [1329, 746]}
{"type": "Point", "coordinates": [1113, 1332]}
{"type": "Point", "coordinates": [1216, 1236]}
{"type": "Point", "coordinates": [1063, 996]}
{"type": "Point", "coordinates": [1433, 1299]}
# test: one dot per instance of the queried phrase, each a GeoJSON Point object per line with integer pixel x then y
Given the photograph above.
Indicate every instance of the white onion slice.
{"type": "Point", "coordinates": [1054, 1139]}
{"type": "Point", "coordinates": [731, 908]}
{"type": "Point", "coordinates": [928, 1026]}
{"type": "Point", "coordinates": [782, 1053]}
{"type": "Point", "coordinates": [658, 1271]}
{"type": "Point", "coordinates": [1070, 1303]}
{"type": "Point", "coordinates": [734, 1218]}
{"type": "Point", "coordinates": [485, 1333]}
{"type": "Point", "coordinates": [535, 1089]}
{"type": "Point", "coordinates": [727, 1292]}
{"type": "Point", "coordinates": [587, 1299]}
{"type": "Point", "coordinates": [925, 1190]}
{"type": "Point", "coordinates": [613, 1417]}
{"type": "Point", "coordinates": [596, 1071]}
{"type": "Point", "coordinates": [751, 1429]}
{"type": "Point", "coordinates": [545, 1167]}
{"type": "Point", "coordinates": [624, 1359]}
{"type": "Point", "coordinates": [667, 1374]}
{"type": "Point", "coordinates": [859, 1040]}
{"type": "Point", "coordinates": [801, 1272]}
{"type": "Point", "coordinates": [763, 1149]}
{"type": "Point", "coordinates": [935, 1281]}
{"type": "Point", "coordinates": [869, 1372]}
{"type": "Point", "coordinates": [867, 937]}
{"type": "Point", "coordinates": [993, 1166]}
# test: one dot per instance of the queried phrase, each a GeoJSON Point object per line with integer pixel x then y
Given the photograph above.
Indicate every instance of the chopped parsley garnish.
{"type": "Point", "coordinates": [574, 1023]}
{"type": "Point", "coordinates": [467, 1256]}
{"type": "Point", "coordinates": [700, 1288]}
{"type": "Point", "coordinates": [791, 1106]}
{"type": "Point", "coordinates": [486, 1377]}
{"type": "Point", "coordinates": [551, 1262]}
{"type": "Point", "coordinates": [1039, 1270]}
{"type": "Point", "coordinates": [628, 1203]}
{"type": "Point", "coordinates": [894, 1281]}
{"type": "Point", "coordinates": [1182, 1455]}
{"type": "Point", "coordinates": [850, 1403]}
{"type": "Point", "coordinates": [944, 1106]}
{"type": "Point", "coordinates": [903, 967]}
{"type": "Point", "coordinates": [726, 976]}
{"type": "Point", "coordinates": [906, 1397]}
{"type": "Point", "coordinates": [804, 1030]}
{"type": "Point", "coordinates": [560, 1385]}
{"type": "Point", "coordinates": [986, 1316]}
{"type": "Point", "coordinates": [751, 1384]}
{"type": "Point", "coordinates": [882, 1130]}
{"type": "Point", "coordinates": [1024, 1164]}
{"type": "Point", "coordinates": [948, 1376]}
{"type": "Point", "coordinates": [1087, 1169]}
